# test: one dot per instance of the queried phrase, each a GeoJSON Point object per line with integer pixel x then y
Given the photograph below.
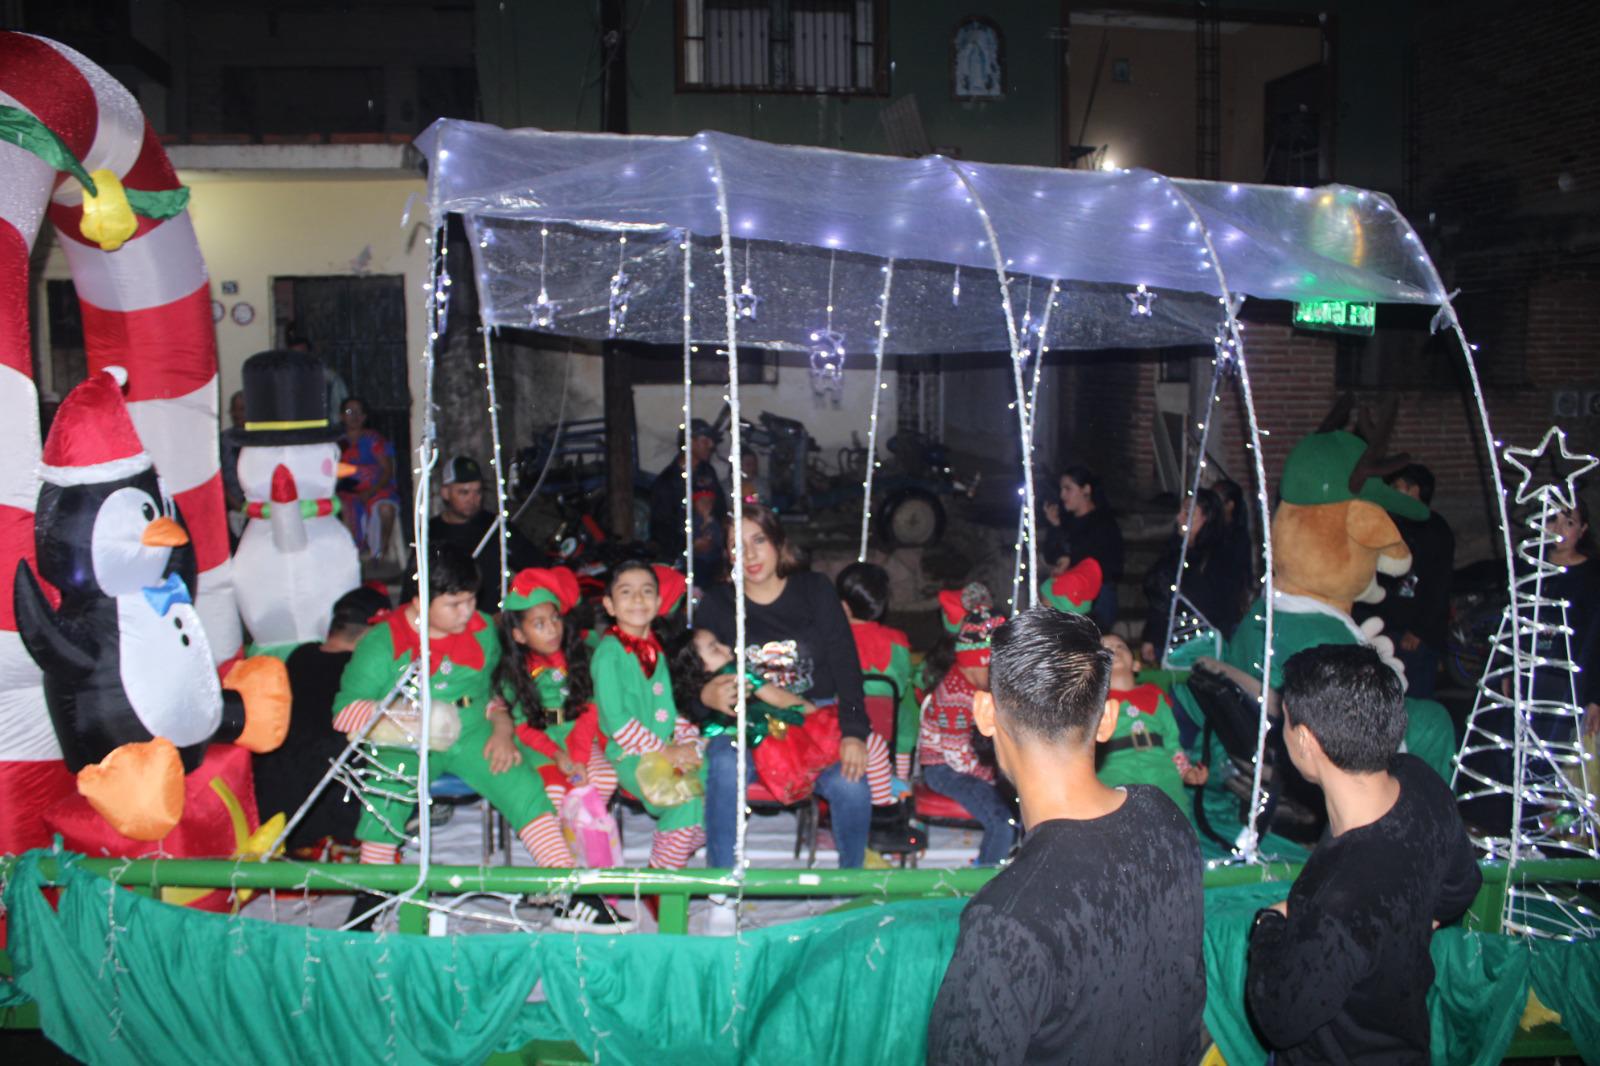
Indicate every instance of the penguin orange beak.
{"type": "Point", "coordinates": [346, 470]}
{"type": "Point", "coordinates": [164, 533]}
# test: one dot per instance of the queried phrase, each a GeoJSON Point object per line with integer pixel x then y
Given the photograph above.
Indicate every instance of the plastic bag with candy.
{"type": "Point", "coordinates": [821, 728]}
{"type": "Point", "coordinates": [664, 785]}
{"type": "Point", "coordinates": [787, 763]}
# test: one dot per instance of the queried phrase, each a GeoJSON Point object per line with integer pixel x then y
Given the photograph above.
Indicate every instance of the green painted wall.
{"type": "Point", "coordinates": [539, 64]}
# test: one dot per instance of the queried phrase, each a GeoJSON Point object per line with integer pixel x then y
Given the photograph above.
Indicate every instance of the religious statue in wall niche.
{"type": "Point", "coordinates": [977, 60]}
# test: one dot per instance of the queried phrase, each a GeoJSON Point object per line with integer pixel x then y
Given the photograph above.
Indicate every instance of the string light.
{"type": "Point", "coordinates": [543, 309]}
{"type": "Point", "coordinates": [827, 350]}
{"type": "Point", "coordinates": [746, 299]}
{"type": "Point", "coordinates": [1552, 783]}
{"type": "Point", "coordinates": [1141, 298]}
{"type": "Point", "coordinates": [617, 302]}
{"type": "Point", "coordinates": [685, 245]}
{"type": "Point", "coordinates": [878, 385]}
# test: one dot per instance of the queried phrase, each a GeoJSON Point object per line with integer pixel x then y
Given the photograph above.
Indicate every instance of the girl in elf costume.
{"type": "Point", "coordinates": [463, 653]}
{"type": "Point", "coordinates": [544, 679]}
{"type": "Point", "coordinates": [1144, 749]}
{"type": "Point", "coordinates": [864, 592]}
{"type": "Point", "coordinates": [638, 717]}
{"type": "Point", "coordinates": [951, 764]}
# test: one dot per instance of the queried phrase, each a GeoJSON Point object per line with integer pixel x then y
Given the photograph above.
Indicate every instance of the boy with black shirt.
{"type": "Point", "coordinates": [1087, 947]}
{"type": "Point", "coordinates": [1339, 972]}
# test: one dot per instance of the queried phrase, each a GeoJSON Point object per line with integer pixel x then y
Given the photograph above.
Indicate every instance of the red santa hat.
{"type": "Point", "coordinates": [92, 439]}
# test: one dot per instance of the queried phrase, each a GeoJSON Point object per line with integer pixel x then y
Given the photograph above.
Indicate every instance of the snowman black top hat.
{"type": "Point", "coordinates": [286, 400]}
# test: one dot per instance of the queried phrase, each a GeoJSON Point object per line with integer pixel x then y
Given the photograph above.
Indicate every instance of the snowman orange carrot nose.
{"type": "Point", "coordinates": [346, 470]}
{"type": "Point", "coordinates": [164, 533]}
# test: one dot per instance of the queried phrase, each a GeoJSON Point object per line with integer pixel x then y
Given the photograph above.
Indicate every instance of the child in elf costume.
{"type": "Point", "coordinates": [638, 717]}
{"type": "Point", "coordinates": [951, 764]}
{"type": "Point", "coordinates": [463, 653]}
{"type": "Point", "coordinates": [1144, 748]}
{"type": "Point", "coordinates": [864, 592]}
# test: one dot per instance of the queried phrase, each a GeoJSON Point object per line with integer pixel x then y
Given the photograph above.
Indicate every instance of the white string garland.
{"type": "Point", "coordinates": [877, 399]}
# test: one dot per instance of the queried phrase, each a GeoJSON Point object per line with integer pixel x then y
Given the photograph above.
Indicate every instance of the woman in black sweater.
{"type": "Point", "coordinates": [1083, 527]}
{"type": "Point", "coordinates": [796, 627]}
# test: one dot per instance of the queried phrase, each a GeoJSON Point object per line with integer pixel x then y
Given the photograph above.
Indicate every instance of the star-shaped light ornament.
{"type": "Point", "coordinates": [543, 310]}
{"type": "Point", "coordinates": [1561, 490]}
{"type": "Point", "coordinates": [827, 360]}
{"type": "Point", "coordinates": [746, 302]}
{"type": "Point", "coordinates": [617, 316]}
{"type": "Point", "coordinates": [1141, 299]}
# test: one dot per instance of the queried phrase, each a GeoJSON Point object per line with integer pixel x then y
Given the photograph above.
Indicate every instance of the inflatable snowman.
{"type": "Point", "coordinates": [295, 557]}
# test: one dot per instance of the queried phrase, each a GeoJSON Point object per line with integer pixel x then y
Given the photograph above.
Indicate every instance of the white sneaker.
{"type": "Point", "coordinates": [722, 918]}
{"type": "Point", "coordinates": [589, 914]}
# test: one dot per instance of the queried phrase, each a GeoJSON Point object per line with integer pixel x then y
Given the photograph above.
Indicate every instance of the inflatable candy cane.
{"type": "Point", "coordinates": [66, 125]}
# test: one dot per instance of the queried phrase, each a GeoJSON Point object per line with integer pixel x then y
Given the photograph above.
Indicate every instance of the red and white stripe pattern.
{"type": "Point", "coordinates": [375, 854]}
{"type": "Point", "coordinates": [145, 307]}
{"type": "Point", "coordinates": [544, 841]}
{"type": "Point", "coordinates": [600, 773]}
{"type": "Point", "coordinates": [355, 715]}
{"type": "Point", "coordinates": [671, 849]}
{"type": "Point", "coordinates": [880, 776]}
{"type": "Point", "coordinates": [635, 739]}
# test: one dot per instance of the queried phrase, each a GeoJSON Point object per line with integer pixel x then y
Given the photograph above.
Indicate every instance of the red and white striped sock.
{"type": "Point", "coordinates": [671, 849]}
{"type": "Point", "coordinates": [602, 775]}
{"type": "Point", "coordinates": [556, 793]}
{"type": "Point", "coordinates": [902, 766]}
{"type": "Point", "coordinates": [879, 775]}
{"type": "Point", "coordinates": [542, 837]}
{"type": "Point", "coordinates": [379, 854]}
{"type": "Point", "coordinates": [354, 716]}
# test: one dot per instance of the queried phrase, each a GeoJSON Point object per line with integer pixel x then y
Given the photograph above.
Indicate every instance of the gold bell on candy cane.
{"type": "Point", "coordinates": [107, 216]}
{"type": "Point", "coordinates": [776, 727]}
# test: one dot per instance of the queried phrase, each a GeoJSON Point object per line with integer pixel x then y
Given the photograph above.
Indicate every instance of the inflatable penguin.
{"type": "Point", "coordinates": [129, 681]}
{"type": "Point", "coordinates": [295, 558]}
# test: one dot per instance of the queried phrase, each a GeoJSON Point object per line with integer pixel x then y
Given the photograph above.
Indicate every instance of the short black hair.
{"type": "Point", "coordinates": [1049, 674]}
{"type": "Point", "coordinates": [354, 610]}
{"type": "Point", "coordinates": [450, 570]}
{"type": "Point", "coordinates": [1418, 475]}
{"type": "Point", "coordinates": [1352, 703]}
{"type": "Point", "coordinates": [865, 587]}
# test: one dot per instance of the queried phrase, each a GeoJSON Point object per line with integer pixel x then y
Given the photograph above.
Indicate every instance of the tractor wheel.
{"type": "Point", "coordinates": [912, 518]}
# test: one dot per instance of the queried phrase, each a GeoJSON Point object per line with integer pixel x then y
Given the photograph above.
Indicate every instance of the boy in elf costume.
{"type": "Point", "coordinates": [1144, 748]}
{"type": "Point", "coordinates": [463, 654]}
{"type": "Point", "coordinates": [864, 592]}
{"type": "Point", "coordinates": [638, 717]}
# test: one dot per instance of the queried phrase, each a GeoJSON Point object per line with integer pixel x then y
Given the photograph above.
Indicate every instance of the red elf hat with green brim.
{"type": "Point", "coordinates": [674, 588]}
{"type": "Point", "coordinates": [1074, 589]}
{"type": "Point", "coordinates": [537, 585]}
{"type": "Point", "coordinates": [967, 614]}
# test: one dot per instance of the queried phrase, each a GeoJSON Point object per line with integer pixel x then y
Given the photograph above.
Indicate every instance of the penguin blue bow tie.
{"type": "Point", "coordinates": [164, 595]}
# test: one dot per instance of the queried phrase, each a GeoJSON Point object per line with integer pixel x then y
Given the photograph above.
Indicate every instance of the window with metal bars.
{"type": "Point", "coordinates": [803, 46]}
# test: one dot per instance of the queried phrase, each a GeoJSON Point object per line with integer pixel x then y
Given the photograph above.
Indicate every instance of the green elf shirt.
{"type": "Point", "coordinates": [638, 716]}
{"type": "Point", "coordinates": [1141, 749]}
{"type": "Point", "coordinates": [885, 650]}
{"type": "Point", "coordinates": [1300, 622]}
{"type": "Point", "coordinates": [462, 665]}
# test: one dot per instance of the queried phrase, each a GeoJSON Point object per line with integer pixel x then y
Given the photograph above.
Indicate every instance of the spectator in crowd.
{"type": "Point", "coordinates": [666, 494]}
{"type": "Point", "coordinates": [232, 442]}
{"type": "Point", "coordinates": [464, 523]}
{"type": "Point", "coordinates": [1082, 527]}
{"type": "Point", "coordinates": [1416, 605]}
{"type": "Point", "coordinates": [1205, 582]}
{"type": "Point", "coordinates": [285, 777]}
{"type": "Point", "coordinates": [1236, 553]}
{"type": "Point", "coordinates": [1340, 971]}
{"type": "Point", "coordinates": [369, 500]}
{"type": "Point", "coordinates": [1087, 947]}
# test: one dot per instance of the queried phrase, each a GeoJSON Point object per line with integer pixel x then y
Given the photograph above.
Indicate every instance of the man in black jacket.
{"type": "Point", "coordinates": [1416, 605]}
{"type": "Point", "coordinates": [1340, 971]}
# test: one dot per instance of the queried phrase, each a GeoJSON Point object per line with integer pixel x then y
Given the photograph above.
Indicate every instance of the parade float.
{"type": "Point", "coordinates": [844, 260]}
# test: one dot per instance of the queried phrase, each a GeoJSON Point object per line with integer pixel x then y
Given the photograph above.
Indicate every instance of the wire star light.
{"type": "Point", "coordinates": [1524, 739]}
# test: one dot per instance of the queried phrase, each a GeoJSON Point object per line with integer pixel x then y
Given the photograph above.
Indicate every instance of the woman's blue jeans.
{"type": "Point", "coordinates": [982, 801]}
{"type": "Point", "coordinates": [849, 805]}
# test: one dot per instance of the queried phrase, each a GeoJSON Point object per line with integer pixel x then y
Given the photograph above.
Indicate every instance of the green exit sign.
{"type": "Point", "coordinates": [1342, 316]}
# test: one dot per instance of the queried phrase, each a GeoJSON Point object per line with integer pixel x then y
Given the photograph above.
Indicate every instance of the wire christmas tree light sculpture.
{"type": "Point", "coordinates": [1524, 739]}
